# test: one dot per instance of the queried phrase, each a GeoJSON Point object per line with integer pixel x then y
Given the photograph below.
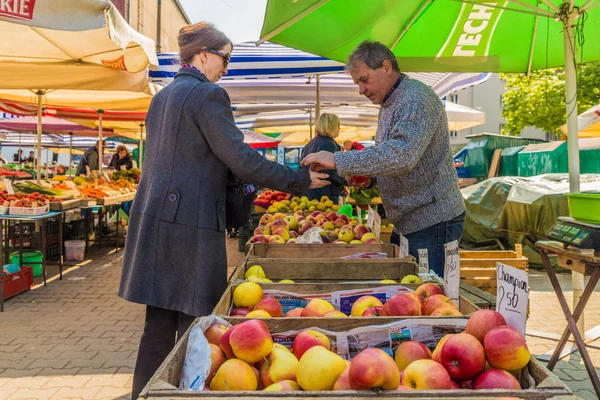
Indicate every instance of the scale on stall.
{"type": "Point", "coordinates": [571, 232]}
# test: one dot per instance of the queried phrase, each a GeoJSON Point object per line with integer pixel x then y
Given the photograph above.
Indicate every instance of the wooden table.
{"type": "Point", "coordinates": [582, 261]}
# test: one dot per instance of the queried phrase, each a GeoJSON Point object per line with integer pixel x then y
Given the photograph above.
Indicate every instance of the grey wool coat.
{"type": "Point", "coordinates": [175, 249]}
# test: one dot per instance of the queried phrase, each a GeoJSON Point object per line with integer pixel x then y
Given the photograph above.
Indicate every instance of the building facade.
{"type": "Point", "coordinates": [487, 97]}
{"type": "Point", "coordinates": [152, 16]}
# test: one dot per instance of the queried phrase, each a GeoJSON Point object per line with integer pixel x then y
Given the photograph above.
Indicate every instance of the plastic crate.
{"type": "Point", "coordinates": [18, 282]}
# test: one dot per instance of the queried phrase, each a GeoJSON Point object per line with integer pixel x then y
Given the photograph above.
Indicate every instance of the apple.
{"type": "Point", "coordinates": [454, 385]}
{"type": "Point", "coordinates": [300, 218]}
{"type": "Point", "coordinates": [239, 312]}
{"type": "Point", "coordinates": [373, 312]}
{"type": "Point", "coordinates": [359, 231]}
{"type": "Point", "coordinates": [362, 303]}
{"type": "Point", "coordinates": [446, 310]}
{"type": "Point", "coordinates": [332, 216]}
{"type": "Point", "coordinates": [214, 333]}
{"type": "Point", "coordinates": [234, 375]}
{"type": "Point", "coordinates": [217, 358]}
{"type": "Point", "coordinates": [334, 314]}
{"type": "Point", "coordinates": [258, 314]}
{"type": "Point", "coordinates": [307, 339]}
{"type": "Point", "coordinates": [279, 366]}
{"type": "Point", "coordinates": [338, 223]}
{"type": "Point", "coordinates": [278, 216]}
{"type": "Point", "coordinates": [344, 217]}
{"type": "Point", "coordinates": [410, 351]}
{"type": "Point", "coordinates": [255, 270]}
{"type": "Point", "coordinates": [368, 241]}
{"type": "Point", "coordinates": [496, 379]}
{"type": "Point", "coordinates": [434, 302]}
{"type": "Point", "coordinates": [271, 305]}
{"type": "Point", "coordinates": [294, 235]}
{"type": "Point", "coordinates": [251, 341]}
{"type": "Point", "coordinates": [260, 230]}
{"type": "Point", "coordinates": [483, 321]}
{"type": "Point", "coordinates": [428, 289]}
{"type": "Point", "coordinates": [315, 214]}
{"type": "Point", "coordinates": [463, 356]}
{"type": "Point", "coordinates": [247, 294]}
{"type": "Point", "coordinates": [506, 349]}
{"type": "Point", "coordinates": [259, 239]}
{"type": "Point", "coordinates": [373, 368]}
{"type": "Point", "coordinates": [338, 241]}
{"type": "Point", "coordinates": [388, 282]}
{"type": "Point", "coordinates": [316, 308]}
{"type": "Point", "coordinates": [435, 356]}
{"type": "Point", "coordinates": [292, 222]}
{"type": "Point", "coordinates": [319, 369]}
{"type": "Point", "coordinates": [277, 239]}
{"type": "Point", "coordinates": [410, 279]}
{"type": "Point", "coordinates": [418, 298]}
{"type": "Point", "coordinates": [225, 345]}
{"type": "Point", "coordinates": [401, 305]}
{"type": "Point", "coordinates": [283, 386]}
{"type": "Point", "coordinates": [291, 241]}
{"type": "Point", "coordinates": [426, 375]}
{"type": "Point", "coordinates": [265, 219]}
{"type": "Point", "coordinates": [303, 226]}
{"type": "Point", "coordinates": [343, 382]}
{"type": "Point", "coordinates": [368, 236]}
{"type": "Point", "coordinates": [283, 232]}
{"type": "Point", "coordinates": [328, 226]}
{"type": "Point", "coordinates": [294, 312]}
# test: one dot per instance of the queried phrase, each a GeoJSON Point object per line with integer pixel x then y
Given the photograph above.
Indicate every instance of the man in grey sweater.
{"type": "Point", "coordinates": [411, 159]}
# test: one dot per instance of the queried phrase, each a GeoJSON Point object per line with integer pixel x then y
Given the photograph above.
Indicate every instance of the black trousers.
{"type": "Point", "coordinates": [162, 329]}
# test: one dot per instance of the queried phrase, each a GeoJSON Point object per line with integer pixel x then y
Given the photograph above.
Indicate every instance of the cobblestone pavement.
{"type": "Point", "coordinates": [75, 339]}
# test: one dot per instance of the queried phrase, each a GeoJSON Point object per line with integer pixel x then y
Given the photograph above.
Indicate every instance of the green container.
{"type": "Point", "coordinates": [589, 155]}
{"type": "Point", "coordinates": [29, 257]}
{"type": "Point", "coordinates": [509, 161]}
{"type": "Point", "coordinates": [585, 207]}
{"type": "Point", "coordinates": [544, 158]}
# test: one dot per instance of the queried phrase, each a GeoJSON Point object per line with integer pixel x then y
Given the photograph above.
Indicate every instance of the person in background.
{"type": "Point", "coordinates": [18, 157]}
{"type": "Point", "coordinates": [90, 159]}
{"type": "Point", "coordinates": [121, 159]}
{"type": "Point", "coordinates": [327, 128]}
{"type": "Point", "coordinates": [411, 160]}
{"type": "Point", "coordinates": [31, 158]}
{"type": "Point", "coordinates": [175, 260]}
{"type": "Point", "coordinates": [2, 159]}
{"type": "Point", "coordinates": [350, 145]}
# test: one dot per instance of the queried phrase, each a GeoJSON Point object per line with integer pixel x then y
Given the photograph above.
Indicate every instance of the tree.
{"type": "Point", "coordinates": [539, 100]}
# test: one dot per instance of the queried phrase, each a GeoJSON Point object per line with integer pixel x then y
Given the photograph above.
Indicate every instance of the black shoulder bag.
{"type": "Point", "coordinates": [239, 201]}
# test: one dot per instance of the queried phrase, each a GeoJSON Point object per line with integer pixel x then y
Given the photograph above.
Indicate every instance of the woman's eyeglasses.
{"type": "Point", "coordinates": [225, 57]}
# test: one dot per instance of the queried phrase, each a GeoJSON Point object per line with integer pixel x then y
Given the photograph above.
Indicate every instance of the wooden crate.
{"type": "Point", "coordinates": [164, 384]}
{"type": "Point", "coordinates": [466, 305]}
{"type": "Point", "coordinates": [330, 269]}
{"type": "Point", "coordinates": [478, 268]}
{"type": "Point", "coordinates": [325, 250]}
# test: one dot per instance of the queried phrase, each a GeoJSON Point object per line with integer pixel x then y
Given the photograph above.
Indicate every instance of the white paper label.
{"type": "Point", "coordinates": [359, 215]}
{"type": "Point", "coordinates": [341, 201]}
{"type": "Point", "coordinates": [9, 186]}
{"type": "Point", "coordinates": [123, 168]}
{"type": "Point", "coordinates": [71, 185]}
{"type": "Point", "coordinates": [370, 218]}
{"type": "Point", "coordinates": [403, 247]}
{"type": "Point", "coordinates": [452, 271]}
{"type": "Point", "coordinates": [423, 261]}
{"type": "Point", "coordinates": [377, 225]}
{"type": "Point", "coordinates": [512, 295]}
{"type": "Point", "coordinates": [281, 155]}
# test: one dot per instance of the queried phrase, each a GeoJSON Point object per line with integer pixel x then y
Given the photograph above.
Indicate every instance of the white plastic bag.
{"type": "Point", "coordinates": [311, 236]}
{"type": "Point", "coordinates": [197, 364]}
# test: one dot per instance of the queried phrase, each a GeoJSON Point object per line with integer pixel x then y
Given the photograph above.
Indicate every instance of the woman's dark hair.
{"type": "Point", "coordinates": [198, 37]}
{"type": "Point", "coordinates": [121, 148]}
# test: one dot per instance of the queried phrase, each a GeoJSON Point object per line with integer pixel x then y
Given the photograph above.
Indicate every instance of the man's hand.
{"type": "Point", "coordinates": [321, 160]}
{"type": "Point", "coordinates": [317, 180]}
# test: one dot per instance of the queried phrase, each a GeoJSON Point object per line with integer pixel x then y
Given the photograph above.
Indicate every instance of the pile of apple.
{"type": "Point", "coordinates": [428, 299]}
{"type": "Point", "coordinates": [270, 197]}
{"type": "Point", "coordinates": [485, 356]}
{"type": "Point", "coordinates": [337, 228]}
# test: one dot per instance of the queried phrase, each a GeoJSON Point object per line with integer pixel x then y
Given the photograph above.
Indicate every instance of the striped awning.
{"type": "Point", "coordinates": [15, 139]}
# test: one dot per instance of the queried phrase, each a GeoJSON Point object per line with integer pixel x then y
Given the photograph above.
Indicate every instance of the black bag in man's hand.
{"type": "Point", "coordinates": [239, 201]}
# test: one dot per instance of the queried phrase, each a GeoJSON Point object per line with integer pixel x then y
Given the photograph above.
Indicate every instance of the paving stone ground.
{"type": "Point", "coordinates": [75, 339]}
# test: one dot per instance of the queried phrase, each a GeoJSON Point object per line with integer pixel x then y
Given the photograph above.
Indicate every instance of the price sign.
{"type": "Point", "coordinates": [403, 247]}
{"type": "Point", "coordinates": [423, 261]}
{"type": "Point", "coordinates": [359, 215]}
{"type": "Point", "coordinates": [370, 218]}
{"type": "Point", "coordinates": [377, 224]}
{"type": "Point", "coordinates": [512, 295]}
{"type": "Point", "coordinates": [71, 184]}
{"type": "Point", "coordinates": [452, 271]}
{"type": "Point", "coordinates": [9, 186]}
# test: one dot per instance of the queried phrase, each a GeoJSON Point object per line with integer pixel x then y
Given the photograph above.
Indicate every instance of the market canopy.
{"type": "Point", "coordinates": [588, 122]}
{"type": "Point", "coordinates": [14, 139]}
{"type": "Point", "coordinates": [50, 125]}
{"type": "Point", "coordinates": [258, 141]}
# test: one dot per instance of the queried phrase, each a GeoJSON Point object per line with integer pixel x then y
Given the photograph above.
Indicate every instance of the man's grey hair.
{"type": "Point", "coordinates": [373, 54]}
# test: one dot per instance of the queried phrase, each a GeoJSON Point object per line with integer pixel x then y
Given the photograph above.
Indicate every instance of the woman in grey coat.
{"type": "Point", "coordinates": [175, 261]}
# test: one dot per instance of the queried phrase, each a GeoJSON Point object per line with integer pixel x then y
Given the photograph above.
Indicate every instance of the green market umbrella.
{"type": "Point", "coordinates": [450, 36]}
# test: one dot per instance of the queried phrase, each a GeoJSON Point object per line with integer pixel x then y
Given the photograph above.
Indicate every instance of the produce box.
{"type": "Point", "coordinates": [324, 250]}
{"type": "Point", "coordinates": [478, 268]}
{"type": "Point", "coordinates": [536, 380]}
{"type": "Point", "coordinates": [330, 269]}
{"type": "Point", "coordinates": [18, 282]}
{"type": "Point", "coordinates": [341, 295]}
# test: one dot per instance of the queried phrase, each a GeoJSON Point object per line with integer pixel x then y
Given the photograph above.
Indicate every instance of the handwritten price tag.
{"type": "Point", "coordinates": [370, 218]}
{"type": "Point", "coordinates": [359, 215]}
{"type": "Point", "coordinates": [403, 247]}
{"type": "Point", "coordinates": [512, 295]}
{"type": "Point", "coordinates": [452, 271]}
{"type": "Point", "coordinates": [423, 261]}
{"type": "Point", "coordinates": [9, 186]}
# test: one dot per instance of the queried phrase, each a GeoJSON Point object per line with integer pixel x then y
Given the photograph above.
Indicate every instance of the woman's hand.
{"type": "Point", "coordinates": [320, 160]}
{"type": "Point", "coordinates": [317, 180]}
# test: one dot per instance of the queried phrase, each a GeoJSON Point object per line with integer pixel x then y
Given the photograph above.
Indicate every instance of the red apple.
{"type": "Point", "coordinates": [506, 349]}
{"type": "Point", "coordinates": [401, 305]}
{"type": "Point", "coordinates": [435, 356]}
{"type": "Point", "coordinates": [239, 312]}
{"type": "Point", "coordinates": [271, 305]}
{"type": "Point", "coordinates": [410, 351]}
{"type": "Point", "coordinates": [224, 345]}
{"type": "Point", "coordinates": [373, 312]}
{"type": "Point", "coordinates": [483, 321]}
{"type": "Point", "coordinates": [214, 333]}
{"type": "Point", "coordinates": [428, 289]}
{"type": "Point", "coordinates": [373, 368]}
{"type": "Point", "coordinates": [463, 356]}
{"type": "Point", "coordinates": [496, 379]}
{"type": "Point", "coordinates": [434, 302]}
{"type": "Point", "coordinates": [307, 339]}
{"type": "Point", "coordinates": [454, 385]}
{"type": "Point", "coordinates": [426, 375]}
{"type": "Point", "coordinates": [294, 312]}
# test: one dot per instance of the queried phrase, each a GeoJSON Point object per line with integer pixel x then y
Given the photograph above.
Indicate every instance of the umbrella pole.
{"type": "Point", "coordinates": [572, 137]}
{"type": "Point", "coordinates": [318, 105]}
{"type": "Point", "coordinates": [70, 152]}
{"type": "Point", "coordinates": [100, 112]}
{"type": "Point", "coordinates": [39, 94]}
{"type": "Point", "coordinates": [141, 144]}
